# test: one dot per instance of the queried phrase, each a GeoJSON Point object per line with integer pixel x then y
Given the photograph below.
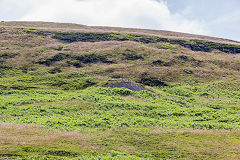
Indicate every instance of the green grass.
{"type": "Point", "coordinates": [126, 121]}
{"type": "Point", "coordinates": [122, 107]}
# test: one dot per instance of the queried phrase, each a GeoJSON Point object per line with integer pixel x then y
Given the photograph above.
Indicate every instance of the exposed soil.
{"type": "Point", "coordinates": [128, 85]}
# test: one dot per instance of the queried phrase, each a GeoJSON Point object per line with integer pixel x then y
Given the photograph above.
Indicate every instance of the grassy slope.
{"type": "Point", "coordinates": [194, 117]}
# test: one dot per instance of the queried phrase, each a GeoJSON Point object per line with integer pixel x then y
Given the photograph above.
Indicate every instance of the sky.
{"type": "Point", "coordinates": [218, 18]}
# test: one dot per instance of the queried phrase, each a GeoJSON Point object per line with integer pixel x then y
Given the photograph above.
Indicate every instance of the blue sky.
{"type": "Point", "coordinates": [222, 17]}
{"type": "Point", "coordinates": [219, 18]}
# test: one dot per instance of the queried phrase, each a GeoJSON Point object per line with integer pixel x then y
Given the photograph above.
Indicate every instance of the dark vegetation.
{"type": "Point", "coordinates": [162, 63]}
{"type": "Point", "coordinates": [7, 55]}
{"type": "Point", "coordinates": [132, 56]}
{"type": "Point", "coordinates": [151, 81]}
{"type": "Point", "coordinates": [76, 61]}
{"type": "Point", "coordinates": [92, 58]}
{"type": "Point", "coordinates": [195, 45]}
{"type": "Point", "coordinates": [51, 60]}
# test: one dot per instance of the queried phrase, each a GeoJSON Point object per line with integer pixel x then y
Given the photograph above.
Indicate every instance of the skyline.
{"type": "Point", "coordinates": [216, 18]}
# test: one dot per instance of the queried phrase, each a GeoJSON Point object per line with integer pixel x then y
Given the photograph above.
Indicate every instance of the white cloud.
{"type": "Point", "coordinates": [123, 13]}
{"type": "Point", "coordinates": [12, 9]}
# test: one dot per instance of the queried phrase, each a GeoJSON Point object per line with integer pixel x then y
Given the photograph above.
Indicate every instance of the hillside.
{"type": "Point", "coordinates": [54, 103]}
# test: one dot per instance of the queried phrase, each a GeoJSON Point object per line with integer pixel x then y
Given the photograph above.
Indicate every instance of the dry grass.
{"type": "Point", "coordinates": [186, 143]}
{"type": "Point", "coordinates": [220, 144]}
{"type": "Point", "coordinates": [134, 99]}
{"type": "Point", "coordinates": [30, 48]}
{"type": "Point", "coordinates": [28, 135]}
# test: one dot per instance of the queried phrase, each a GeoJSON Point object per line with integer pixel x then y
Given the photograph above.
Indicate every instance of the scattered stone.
{"type": "Point", "coordinates": [188, 72]}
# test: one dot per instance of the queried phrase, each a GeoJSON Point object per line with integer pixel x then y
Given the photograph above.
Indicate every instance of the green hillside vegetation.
{"type": "Point", "coordinates": [54, 104]}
